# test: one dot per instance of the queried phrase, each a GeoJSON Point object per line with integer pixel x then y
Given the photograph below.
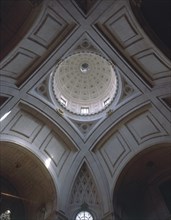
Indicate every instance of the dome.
{"type": "Point", "coordinates": [84, 83]}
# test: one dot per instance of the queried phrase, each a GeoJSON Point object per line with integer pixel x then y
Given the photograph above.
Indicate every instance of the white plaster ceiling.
{"type": "Point", "coordinates": [93, 86]}
{"type": "Point", "coordinates": [139, 118]}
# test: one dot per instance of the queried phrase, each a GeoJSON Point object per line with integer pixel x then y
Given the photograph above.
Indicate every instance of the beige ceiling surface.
{"type": "Point", "coordinates": [27, 174]}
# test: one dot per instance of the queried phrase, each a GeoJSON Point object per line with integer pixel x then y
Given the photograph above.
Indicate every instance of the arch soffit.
{"type": "Point", "coordinates": [34, 15]}
{"type": "Point", "coordinates": [136, 8]}
{"type": "Point", "coordinates": [31, 152]}
{"type": "Point", "coordinates": [147, 147]}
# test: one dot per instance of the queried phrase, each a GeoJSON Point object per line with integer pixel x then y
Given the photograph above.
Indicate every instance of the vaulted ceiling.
{"type": "Point", "coordinates": [36, 36]}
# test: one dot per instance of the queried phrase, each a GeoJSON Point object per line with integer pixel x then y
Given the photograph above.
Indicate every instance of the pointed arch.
{"type": "Point", "coordinates": [84, 190]}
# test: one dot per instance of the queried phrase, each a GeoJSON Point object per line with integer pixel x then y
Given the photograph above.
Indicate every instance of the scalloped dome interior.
{"type": "Point", "coordinates": [85, 83]}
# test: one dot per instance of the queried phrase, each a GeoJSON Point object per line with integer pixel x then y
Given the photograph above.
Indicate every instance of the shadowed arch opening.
{"type": "Point", "coordinates": [34, 188]}
{"type": "Point", "coordinates": [10, 202]}
{"type": "Point", "coordinates": [15, 20]}
{"type": "Point", "coordinates": [154, 17]}
{"type": "Point", "coordinates": [138, 193]}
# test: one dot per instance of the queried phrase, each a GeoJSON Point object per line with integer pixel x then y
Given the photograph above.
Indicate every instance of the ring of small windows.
{"type": "Point", "coordinates": [84, 110]}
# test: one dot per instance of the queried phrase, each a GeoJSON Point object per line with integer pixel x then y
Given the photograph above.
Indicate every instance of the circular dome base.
{"type": "Point", "coordinates": [84, 83]}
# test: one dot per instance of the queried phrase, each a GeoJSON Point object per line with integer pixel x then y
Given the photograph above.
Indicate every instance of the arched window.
{"type": "Point", "coordinates": [84, 215]}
